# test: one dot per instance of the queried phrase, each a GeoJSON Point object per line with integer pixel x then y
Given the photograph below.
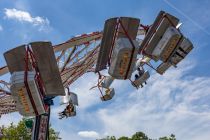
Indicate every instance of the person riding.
{"type": "Point", "coordinates": [63, 114]}
{"type": "Point", "coordinates": [67, 111]}
{"type": "Point", "coordinates": [141, 71]}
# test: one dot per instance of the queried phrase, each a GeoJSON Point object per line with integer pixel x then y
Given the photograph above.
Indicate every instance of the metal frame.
{"type": "Point", "coordinates": [87, 48]}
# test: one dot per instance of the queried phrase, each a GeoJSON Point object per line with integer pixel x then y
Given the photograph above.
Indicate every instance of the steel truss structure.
{"type": "Point", "coordinates": [74, 57]}
{"type": "Point", "coordinates": [79, 55]}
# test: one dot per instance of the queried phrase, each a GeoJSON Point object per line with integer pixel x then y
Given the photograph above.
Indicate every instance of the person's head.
{"type": "Point", "coordinates": [136, 76]}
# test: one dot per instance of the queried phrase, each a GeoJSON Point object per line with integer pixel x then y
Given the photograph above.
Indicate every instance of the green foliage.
{"type": "Point", "coordinates": [172, 137]}
{"type": "Point", "coordinates": [22, 131]}
{"type": "Point", "coordinates": [16, 132]}
{"type": "Point", "coordinates": [124, 138]}
{"type": "Point", "coordinates": [110, 138]}
{"type": "Point", "coordinates": [140, 136]}
{"type": "Point", "coordinates": [53, 135]}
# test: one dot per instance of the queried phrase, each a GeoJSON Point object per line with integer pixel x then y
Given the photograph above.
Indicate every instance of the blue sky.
{"type": "Point", "coordinates": [177, 102]}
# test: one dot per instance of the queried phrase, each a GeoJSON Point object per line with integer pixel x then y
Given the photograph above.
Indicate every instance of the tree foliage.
{"type": "Point", "coordinates": [171, 137]}
{"type": "Point", "coordinates": [139, 136]}
{"type": "Point", "coordinates": [16, 132]}
{"type": "Point", "coordinates": [22, 132]}
{"type": "Point", "coordinates": [124, 138]}
{"type": "Point", "coordinates": [53, 135]}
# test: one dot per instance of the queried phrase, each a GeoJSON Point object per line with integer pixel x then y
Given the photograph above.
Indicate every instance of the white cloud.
{"type": "Point", "coordinates": [10, 118]}
{"type": "Point", "coordinates": [24, 16]}
{"type": "Point", "coordinates": [1, 28]}
{"type": "Point", "coordinates": [86, 97]}
{"type": "Point", "coordinates": [88, 134]}
{"type": "Point", "coordinates": [176, 102]}
{"type": "Point", "coordinates": [168, 104]}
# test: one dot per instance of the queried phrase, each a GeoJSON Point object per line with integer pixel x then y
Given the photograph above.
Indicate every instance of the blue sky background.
{"type": "Point", "coordinates": [177, 102]}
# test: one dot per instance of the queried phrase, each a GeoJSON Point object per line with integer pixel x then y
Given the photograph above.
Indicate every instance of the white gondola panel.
{"type": "Point", "coordinates": [21, 96]}
{"type": "Point", "coordinates": [123, 58]}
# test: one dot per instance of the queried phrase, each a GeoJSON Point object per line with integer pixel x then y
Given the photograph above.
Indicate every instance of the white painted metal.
{"type": "Point", "coordinates": [107, 81]}
{"type": "Point", "coordinates": [73, 98]}
{"type": "Point", "coordinates": [121, 57]}
{"type": "Point", "coordinates": [167, 44]}
{"type": "Point", "coordinates": [70, 97]}
{"type": "Point", "coordinates": [21, 96]}
{"type": "Point", "coordinates": [78, 40]}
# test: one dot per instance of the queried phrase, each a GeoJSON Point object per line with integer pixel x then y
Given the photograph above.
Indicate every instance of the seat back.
{"type": "Point", "coordinates": [109, 36]}
{"type": "Point", "coordinates": [139, 81]}
{"type": "Point", "coordinates": [156, 31]}
{"type": "Point", "coordinates": [108, 94]}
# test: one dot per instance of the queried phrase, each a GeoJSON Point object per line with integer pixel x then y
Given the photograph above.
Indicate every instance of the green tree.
{"type": "Point", "coordinates": [110, 138]}
{"type": "Point", "coordinates": [171, 137]}
{"type": "Point", "coordinates": [124, 138]}
{"type": "Point", "coordinates": [22, 131]}
{"type": "Point", "coordinates": [16, 132]}
{"type": "Point", "coordinates": [139, 136]}
{"type": "Point", "coordinates": [53, 135]}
